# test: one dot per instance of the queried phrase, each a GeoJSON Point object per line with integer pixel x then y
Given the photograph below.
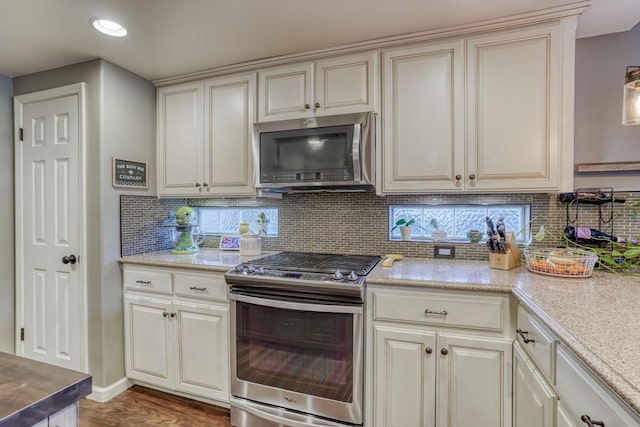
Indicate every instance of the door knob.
{"type": "Point", "coordinates": [71, 259]}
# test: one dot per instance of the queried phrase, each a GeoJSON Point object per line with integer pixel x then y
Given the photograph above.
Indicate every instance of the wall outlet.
{"type": "Point", "coordinates": [444, 251]}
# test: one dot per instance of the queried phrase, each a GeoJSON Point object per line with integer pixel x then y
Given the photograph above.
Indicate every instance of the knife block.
{"type": "Point", "coordinates": [508, 260]}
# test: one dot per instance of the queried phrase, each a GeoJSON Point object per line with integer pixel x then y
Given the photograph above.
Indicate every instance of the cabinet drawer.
{"type": "Point", "coordinates": [541, 345]}
{"type": "Point", "coordinates": [585, 394]}
{"type": "Point", "coordinates": [146, 279]}
{"type": "Point", "coordinates": [209, 286]}
{"type": "Point", "coordinates": [473, 312]}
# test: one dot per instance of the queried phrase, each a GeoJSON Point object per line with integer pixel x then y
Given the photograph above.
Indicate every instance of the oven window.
{"type": "Point", "coordinates": [300, 351]}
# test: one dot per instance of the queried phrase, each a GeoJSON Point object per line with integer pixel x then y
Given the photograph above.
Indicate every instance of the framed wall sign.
{"type": "Point", "coordinates": [130, 174]}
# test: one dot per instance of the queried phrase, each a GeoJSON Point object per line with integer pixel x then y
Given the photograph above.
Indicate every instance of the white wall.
{"type": "Point", "coordinates": [7, 277]}
{"type": "Point", "coordinates": [599, 134]}
{"type": "Point", "coordinates": [120, 122]}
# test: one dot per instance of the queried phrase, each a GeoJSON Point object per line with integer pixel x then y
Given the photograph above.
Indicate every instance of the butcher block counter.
{"type": "Point", "coordinates": [597, 317]}
{"type": "Point", "coordinates": [31, 392]}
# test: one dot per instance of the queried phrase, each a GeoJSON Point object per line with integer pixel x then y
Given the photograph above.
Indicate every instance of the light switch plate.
{"type": "Point", "coordinates": [444, 251]}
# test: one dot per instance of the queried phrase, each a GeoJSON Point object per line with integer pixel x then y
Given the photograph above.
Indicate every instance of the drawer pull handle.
{"type": "Point", "coordinates": [442, 313]}
{"type": "Point", "coordinates": [194, 288]}
{"type": "Point", "coordinates": [144, 282]}
{"type": "Point", "coordinates": [525, 336]}
{"type": "Point", "coordinates": [591, 423]}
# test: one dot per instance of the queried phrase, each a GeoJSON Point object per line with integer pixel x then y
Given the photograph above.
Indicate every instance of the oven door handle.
{"type": "Point", "coordinates": [299, 306]}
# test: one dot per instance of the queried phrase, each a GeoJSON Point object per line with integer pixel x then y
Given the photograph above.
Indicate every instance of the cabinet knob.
{"type": "Point", "coordinates": [317, 105]}
{"type": "Point", "coordinates": [165, 314]}
{"type": "Point", "coordinates": [428, 350]}
{"type": "Point", "coordinates": [173, 315]}
{"type": "Point", "coordinates": [307, 106]}
{"type": "Point", "coordinates": [444, 351]}
{"type": "Point", "coordinates": [588, 421]}
{"type": "Point", "coordinates": [198, 186]}
{"type": "Point", "coordinates": [206, 186]}
{"type": "Point", "coordinates": [472, 176]}
{"type": "Point", "coordinates": [458, 177]}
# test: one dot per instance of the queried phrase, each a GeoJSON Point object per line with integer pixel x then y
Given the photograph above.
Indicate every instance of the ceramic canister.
{"type": "Point", "coordinates": [250, 244]}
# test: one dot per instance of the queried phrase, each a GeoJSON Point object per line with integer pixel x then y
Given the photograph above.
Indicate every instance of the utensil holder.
{"type": "Point", "coordinates": [508, 260]}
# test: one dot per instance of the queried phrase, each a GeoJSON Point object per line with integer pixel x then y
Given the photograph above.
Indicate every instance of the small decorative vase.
{"type": "Point", "coordinates": [244, 228]}
{"type": "Point", "coordinates": [474, 236]}
{"type": "Point", "coordinates": [439, 236]}
{"type": "Point", "coordinates": [405, 232]}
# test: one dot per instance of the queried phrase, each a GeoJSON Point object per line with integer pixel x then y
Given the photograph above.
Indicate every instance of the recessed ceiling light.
{"type": "Point", "coordinates": [108, 27]}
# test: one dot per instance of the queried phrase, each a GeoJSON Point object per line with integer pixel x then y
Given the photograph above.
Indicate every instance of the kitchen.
{"type": "Point", "coordinates": [307, 214]}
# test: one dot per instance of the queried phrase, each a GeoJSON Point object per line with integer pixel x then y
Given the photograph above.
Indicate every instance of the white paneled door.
{"type": "Point", "coordinates": [50, 291]}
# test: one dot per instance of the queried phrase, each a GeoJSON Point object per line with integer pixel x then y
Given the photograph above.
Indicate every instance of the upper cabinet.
{"type": "Point", "coordinates": [204, 137]}
{"type": "Point", "coordinates": [488, 113]}
{"type": "Point", "coordinates": [345, 84]}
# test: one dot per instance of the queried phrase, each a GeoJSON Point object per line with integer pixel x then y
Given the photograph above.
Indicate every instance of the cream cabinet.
{"type": "Point", "coordinates": [534, 399]}
{"type": "Point", "coordinates": [204, 137]}
{"type": "Point", "coordinates": [438, 359]}
{"type": "Point", "coordinates": [345, 84]}
{"type": "Point", "coordinates": [487, 113]}
{"type": "Point", "coordinates": [177, 337]}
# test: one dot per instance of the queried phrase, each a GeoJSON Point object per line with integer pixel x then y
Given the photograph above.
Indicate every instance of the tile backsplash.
{"type": "Point", "coordinates": [353, 223]}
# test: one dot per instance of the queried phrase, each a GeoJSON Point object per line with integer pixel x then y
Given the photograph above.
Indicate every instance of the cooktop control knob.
{"type": "Point", "coordinates": [353, 277]}
{"type": "Point", "coordinates": [251, 268]}
{"type": "Point", "coordinates": [338, 275]}
{"type": "Point", "coordinates": [260, 270]}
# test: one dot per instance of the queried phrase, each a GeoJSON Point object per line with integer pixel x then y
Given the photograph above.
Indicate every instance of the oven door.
{"type": "Point", "coordinates": [299, 354]}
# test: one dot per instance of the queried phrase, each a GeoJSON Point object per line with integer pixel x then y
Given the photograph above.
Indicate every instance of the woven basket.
{"type": "Point", "coordinates": [560, 262]}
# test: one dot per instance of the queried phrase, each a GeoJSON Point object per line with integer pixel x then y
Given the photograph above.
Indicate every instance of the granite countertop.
{"type": "Point", "coordinates": [597, 317]}
{"type": "Point", "coordinates": [207, 259]}
{"type": "Point", "coordinates": [32, 391]}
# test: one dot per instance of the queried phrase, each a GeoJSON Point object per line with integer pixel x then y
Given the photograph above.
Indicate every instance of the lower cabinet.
{"type": "Point", "coordinates": [534, 400]}
{"type": "Point", "coordinates": [428, 375]}
{"type": "Point", "coordinates": [553, 388]}
{"type": "Point", "coordinates": [67, 417]}
{"type": "Point", "coordinates": [177, 344]}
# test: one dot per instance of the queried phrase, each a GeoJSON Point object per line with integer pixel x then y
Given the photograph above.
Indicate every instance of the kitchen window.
{"type": "Point", "coordinates": [218, 220]}
{"type": "Point", "coordinates": [457, 220]}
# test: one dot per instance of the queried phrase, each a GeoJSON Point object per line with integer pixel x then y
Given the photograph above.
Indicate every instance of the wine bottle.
{"type": "Point", "coordinates": [589, 235]}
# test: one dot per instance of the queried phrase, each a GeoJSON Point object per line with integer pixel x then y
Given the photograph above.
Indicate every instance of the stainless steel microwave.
{"type": "Point", "coordinates": [332, 153]}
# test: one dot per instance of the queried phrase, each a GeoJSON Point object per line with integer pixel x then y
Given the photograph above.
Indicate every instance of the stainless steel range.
{"type": "Point", "coordinates": [297, 340]}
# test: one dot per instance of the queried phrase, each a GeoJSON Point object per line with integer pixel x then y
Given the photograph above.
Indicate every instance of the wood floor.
{"type": "Point", "coordinates": [140, 406]}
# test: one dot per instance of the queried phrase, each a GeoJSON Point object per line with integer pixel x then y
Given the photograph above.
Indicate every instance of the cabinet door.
{"type": "Point", "coordinates": [534, 402]}
{"type": "Point", "coordinates": [423, 119]}
{"type": "Point", "coordinates": [285, 92]}
{"type": "Point", "coordinates": [513, 113]}
{"type": "Point", "coordinates": [347, 84]}
{"type": "Point", "coordinates": [474, 381]}
{"type": "Point", "coordinates": [67, 417]}
{"type": "Point", "coordinates": [229, 110]}
{"type": "Point", "coordinates": [404, 377]}
{"type": "Point", "coordinates": [203, 350]}
{"type": "Point", "coordinates": [564, 417]}
{"type": "Point", "coordinates": [148, 350]}
{"type": "Point", "coordinates": [180, 149]}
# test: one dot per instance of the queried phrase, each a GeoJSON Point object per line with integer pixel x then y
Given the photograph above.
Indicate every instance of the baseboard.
{"type": "Point", "coordinates": [104, 394]}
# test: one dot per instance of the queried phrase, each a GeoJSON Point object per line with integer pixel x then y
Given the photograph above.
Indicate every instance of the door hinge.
{"type": "Point", "coordinates": [21, 334]}
{"type": "Point", "coordinates": [21, 134]}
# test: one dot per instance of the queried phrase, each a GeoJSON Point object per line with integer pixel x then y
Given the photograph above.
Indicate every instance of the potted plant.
{"type": "Point", "coordinates": [406, 227]}
{"type": "Point", "coordinates": [437, 235]}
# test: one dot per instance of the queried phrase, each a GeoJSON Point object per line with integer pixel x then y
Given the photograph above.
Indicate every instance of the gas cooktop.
{"type": "Point", "coordinates": [301, 272]}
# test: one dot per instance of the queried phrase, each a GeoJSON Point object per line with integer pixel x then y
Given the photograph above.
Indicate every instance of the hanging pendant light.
{"type": "Point", "coordinates": [631, 103]}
